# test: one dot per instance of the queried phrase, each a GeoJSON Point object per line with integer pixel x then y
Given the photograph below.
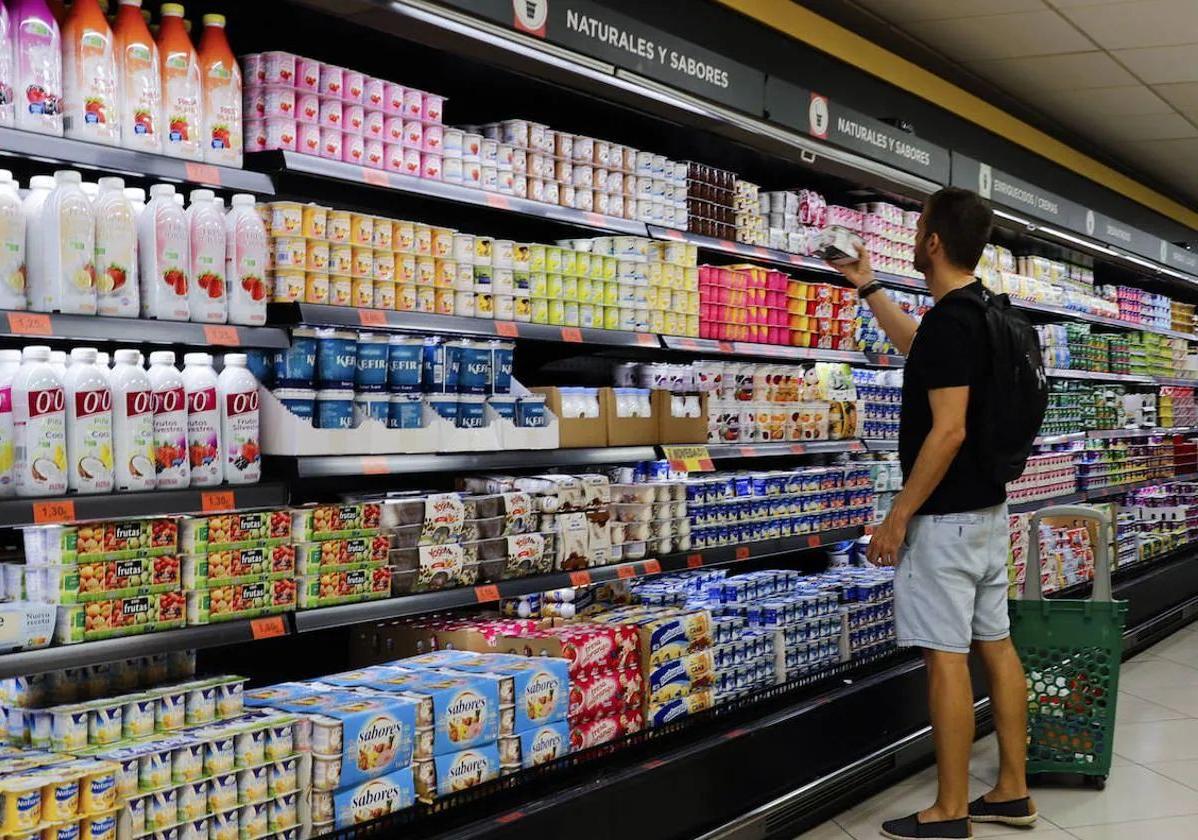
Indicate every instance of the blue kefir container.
{"type": "Point", "coordinates": [295, 367]}
{"type": "Point", "coordinates": [404, 367]}
{"type": "Point", "coordinates": [371, 374]}
{"type": "Point", "coordinates": [336, 358]}
{"type": "Point", "coordinates": [335, 409]}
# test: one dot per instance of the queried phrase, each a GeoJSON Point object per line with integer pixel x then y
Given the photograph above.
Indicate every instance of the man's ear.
{"type": "Point", "coordinates": [933, 243]}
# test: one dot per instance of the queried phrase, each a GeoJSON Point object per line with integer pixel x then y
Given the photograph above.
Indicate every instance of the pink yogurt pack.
{"type": "Point", "coordinates": [307, 74]}
{"type": "Point", "coordinates": [373, 91]}
{"type": "Point", "coordinates": [332, 81]}
{"type": "Point", "coordinates": [278, 68]}
{"type": "Point", "coordinates": [307, 107]}
{"type": "Point", "coordinates": [355, 86]}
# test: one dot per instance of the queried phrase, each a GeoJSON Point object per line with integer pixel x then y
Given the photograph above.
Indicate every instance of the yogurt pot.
{"type": "Point", "coordinates": [219, 755]}
{"type": "Point", "coordinates": [307, 74]}
{"type": "Point", "coordinates": [283, 776]}
{"type": "Point", "coordinates": [470, 412]}
{"type": "Point", "coordinates": [501, 366]}
{"type": "Point", "coordinates": [296, 366]}
{"type": "Point", "coordinates": [171, 709]}
{"type": "Point", "coordinates": [393, 98]}
{"type": "Point", "coordinates": [335, 408]}
{"type": "Point", "coordinates": [405, 411]}
{"type": "Point", "coordinates": [307, 108]}
{"type": "Point", "coordinates": [404, 363]}
{"type": "Point", "coordinates": [474, 362]}
{"type": "Point", "coordinates": [504, 405]}
{"type": "Point", "coordinates": [373, 362]}
{"type": "Point", "coordinates": [224, 825]}
{"type": "Point", "coordinates": [530, 411]}
{"type": "Point", "coordinates": [371, 406]}
{"type": "Point", "coordinates": [336, 358]}
{"type": "Point", "coordinates": [446, 406]}
{"type": "Point", "coordinates": [222, 792]}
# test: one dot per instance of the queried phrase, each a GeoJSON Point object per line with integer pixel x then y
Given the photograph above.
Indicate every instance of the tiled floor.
{"type": "Point", "coordinates": [1152, 792]}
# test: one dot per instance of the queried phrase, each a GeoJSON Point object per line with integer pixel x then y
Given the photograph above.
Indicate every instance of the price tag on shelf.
{"type": "Point", "coordinates": [694, 561]}
{"type": "Point", "coordinates": [797, 449]}
{"type": "Point", "coordinates": [222, 334]}
{"type": "Point", "coordinates": [572, 334]}
{"type": "Point", "coordinates": [375, 177]}
{"type": "Point", "coordinates": [689, 458]}
{"type": "Point", "coordinates": [372, 317]}
{"type": "Point", "coordinates": [623, 572]}
{"type": "Point", "coordinates": [742, 552]}
{"type": "Point", "coordinates": [483, 594]}
{"type": "Point", "coordinates": [29, 323]}
{"type": "Point", "coordinates": [507, 329]}
{"type": "Point", "coordinates": [687, 344]}
{"type": "Point", "coordinates": [375, 465]}
{"type": "Point", "coordinates": [52, 512]}
{"type": "Point", "coordinates": [652, 567]}
{"type": "Point", "coordinates": [748, 452]}
{"type": "Point", "coordinates": [499, 202]}
{"type": "Point", "coordinates": [215, 501]}
{"type": "Point", "coordinates": [268, 627]}
{"type": "Point", "coordinates": [582, 578]}
{"type": "Point", "coordinates": [813, 541]}
{"type": "Point", "coordinates": [592, 218]}
{"type": "Point", "coordinates": [729, 245]}
{"type": "Point", "coordinates": [647, 340]}
{"type": "Point", "coordinates": [205, 173]}
{"type": "Point", "coordinates": [726, 347]}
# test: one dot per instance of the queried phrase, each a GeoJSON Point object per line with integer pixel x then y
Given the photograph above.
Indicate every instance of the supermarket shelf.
{"type": "Point", "coordinates": [321, 466]}
{"type": "Point", "coordinates": [322, 315]}
{"type": "Point", "coordinates": [881, 445]}
{"type": "Point", "coordinates": [279, 165]}
{"type": "Point", "coordinates": [1176, 380]}
{"type": "Point", "coordinates": [27, 325]}
{"type": "Point", "coordinates": [1061, 311]}
{"type": "Point", "coordinates": [777, 351]}
{"type": "Point", "coordinates": [1107, 434]}
{"type": "Point", "coordinates": [409, 605]}
{"type": "Point", "coordinates": [20, 512]}
{"type": "Point", "coordinates": [1118, 489]}
{"type": "Point", "coordinates": [1049, 440]}
{"type": "Point", "coordinates": [728, 451]}
{"type": "Point", "coordinates": [76, 153]}
{"type": "Point", "coordinates": [1036, 504]}
{"type": "Point", "coordinates": [1065, 373]}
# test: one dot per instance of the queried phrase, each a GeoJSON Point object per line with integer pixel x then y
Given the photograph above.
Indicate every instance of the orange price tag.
{"type": "Point", "coordinates": [217, 500]}
{"type": "Point", "coordinates": [742, 552]}
{"type": "Point", "coordinates": [647, 340]}
{"type": "Point", "coordinates": [376, 465]}
{"type": "Point", "coordinates": [482, 594]}
{"type": "Point", "coordinates": [572, 334]}
{"type": "Point", "coordinates": [813, 541]}
{"type": "Point", "coordinates": [222, 334]}
{"type": "Point", "coordinates": [728, 245]}
{"type": "Point", "coordinates": [375, 177]}
{"type": "Point", "coordinates": [582, 578]}
{"type": "Point", "coordinates": [726, 347]}
{"type": "Point", "coordinates": [596, 219]}
{"type": "Point", "coordinates": [748, 452]}
{"type": "Point", "coordinates": [29, 323]}
{"type": "Point", "coordinates": [507, 329]}
{"type": "Point", "coordinates": [372, 317]}
{"type": "Point", "coordinates": [205, 173]}
{"type": "Point", "coordinates": [694, 561]}
{"type": "Point", "coordinates": [499, 202]}
{"type": "Point", "coordinates": [652, 567]}
{"type": "Point", "coordinates": [625, 572]}
{"type": "Point", "coordinates": [59, 510]}
{"type": "Point", "coordinates": [268, 627]}
{"type": "Point", "coordinates": [884, 361]}
{"type": "Point", "coordinates": [798, 448]}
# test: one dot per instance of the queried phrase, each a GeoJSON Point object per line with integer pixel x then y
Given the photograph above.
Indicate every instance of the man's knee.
{"type": "Point", "coordinates": [943, 660]}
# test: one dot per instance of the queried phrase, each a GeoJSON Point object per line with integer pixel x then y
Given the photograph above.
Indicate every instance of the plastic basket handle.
{"type": "Point", "coordinates": [1102, 555]}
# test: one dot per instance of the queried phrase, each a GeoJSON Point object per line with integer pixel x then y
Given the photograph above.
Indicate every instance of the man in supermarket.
{"type": "Point", "coordinates": [947, 530]}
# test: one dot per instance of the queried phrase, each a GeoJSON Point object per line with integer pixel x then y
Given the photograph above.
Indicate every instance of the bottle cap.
{"type": "Point", "coordinates": [172, 10]}
{"type": "Point", "coordinates": [41, 182]}
{"type": "Point", "coordinates": [214, 20]}
{"type": "Point", "coordinates": [243, 200]}
{"type": "Point", "coordinates": [36, 353]}
{"type": "Point", "coordinates": [197, 359]}
{"type": "Point", "coordinates": [200, 195]}
{"type": "Point", "coordinates": [162, 189]}
{"type": "Point", "coordinates": [112, 183]}
{"type": "Point", "coordinates": [125, 356]}
{"type": "Point", "coordinates": [162, 357]}
{"type": "Point", "coordinates": [236, 360]}
{"type": "Point", "coordinates": [87, 355]}
{"type": "Point", "coordinates": [68, 176]}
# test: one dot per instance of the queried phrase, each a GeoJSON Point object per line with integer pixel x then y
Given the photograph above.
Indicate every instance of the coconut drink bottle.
{"type": "Point", "coordinates": [12, 244]}
{"type": "Point", "coordinates": [89, 424]}
{"type": "Point", "coordinates": [39, 426]}
{"type": "Point", "coordinates": [132, 423]}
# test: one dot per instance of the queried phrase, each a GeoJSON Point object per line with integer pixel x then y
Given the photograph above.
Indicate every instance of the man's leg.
{"type": "Point", "coordinates": [1008, 699]}
{"type": "Point", "coordinates": [950, 701]}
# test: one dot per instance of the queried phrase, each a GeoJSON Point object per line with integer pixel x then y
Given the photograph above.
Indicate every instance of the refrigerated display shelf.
{"type": "Point", "coordinates": [1100, 376]}
{"type": "Point", "coordinates": [777, 352]}
{"type": "Point", "coordinates": [881, 445]}
{"type": "Point", "coordinates": [728, 451]}
{"type": "Point", "coordinates": [50, 326]}
{"type": "Point", "coordinates": [1106, 434]}
{"type": "Point", "coordinates": [1117, 489]}
{"type": "Point", "coordinates": [1036, 504]}
{"type": "Point", "coordinates": [127, 162]}
{"type": "Point", "coordinates": [1069, 437]}
{"type": "Point", "coordinates": [279, 166]}
{"type": "Point", "coordinates": [67, 509]}
{"type": "Point", "coordinates": [319, 466]}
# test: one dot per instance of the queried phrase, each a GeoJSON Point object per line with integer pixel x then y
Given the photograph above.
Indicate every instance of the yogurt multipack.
{"type": "Point", "coordinates": [537, 687]}
{"type": "Point", "coordinates": [366, 801]}
{"type": "Point", "coordinates": [372, 735]}
{"type": "Point", "coordinates": [452, 772]}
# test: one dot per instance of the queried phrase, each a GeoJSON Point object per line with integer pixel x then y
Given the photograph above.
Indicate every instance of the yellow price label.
{"type": "Point", "coordinates": [689, 458]}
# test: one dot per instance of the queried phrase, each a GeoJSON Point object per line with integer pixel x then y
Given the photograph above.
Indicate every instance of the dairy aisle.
{"type": "Point", "coordinates": [436, 418]}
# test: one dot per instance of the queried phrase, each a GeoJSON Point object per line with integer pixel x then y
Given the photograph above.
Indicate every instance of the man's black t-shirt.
{"type": "Point", "coordinates": [950, 350]}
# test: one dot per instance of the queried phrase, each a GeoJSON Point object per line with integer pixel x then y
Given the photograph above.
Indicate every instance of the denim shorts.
{"type": "Point", "coordinates": [950, 587]}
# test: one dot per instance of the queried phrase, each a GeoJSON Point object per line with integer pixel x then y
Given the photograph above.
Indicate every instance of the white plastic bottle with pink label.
{"type": "Point", "coordinates": [132, 423]}
{"type": "Point", "coordinates": [203, 420]}
{"type": "Point", "coordinates": [164, 253]}
{"type": "Point", "coordinates": [60, 247]}
{"type": "Point", "coordinates": [89, 424]}
{"type": "Point", "coordinates": [37, 60]}
{"type": "Point", "coordinates": [247, 251]}
{"type": "Point", "coordinates": [39, 426]}
{"type": "Point", "coordinates": [206, 231]}
{"type": "Point", "coordinates": [117, 289]}
{"type": "Point", "coordinates": [170, 422]}
{"type": "Point", "coordinates": [239, 421]}
{"type": "Point", "coordinates": [12, 244]}
{"type": "Point", "coordinates": [8, 113]}
{"type": "Point", "coordinates": [10, 363]}
{"type": "Point", "coordinates": [89, 76]}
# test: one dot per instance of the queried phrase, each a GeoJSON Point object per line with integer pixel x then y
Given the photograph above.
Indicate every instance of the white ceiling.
{"type": "Point", "coordinates": [1123, 73]}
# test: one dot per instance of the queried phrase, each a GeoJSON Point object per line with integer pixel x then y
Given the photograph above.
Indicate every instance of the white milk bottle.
{"type": "Point", "coordinates": [203, 420]}
{"type": "Point", "coordinates": [137, 197]}
{"type": "Point", "coordinates": [89, 424]}
{"type": "Point", "coordinates": [58, 361]}
{"type": "Point", "coordinates": [170, 422]}
{"type": "Point", "coordinates": [102, 362]}
{"type": "Point", "coordinates": [132, 423]}
{"type": "Point", "coordinates": [164, 256]}
{"type": "Point", "coordinates": [61, 266]}
{"type": "Point", "coordinates": [239, 421]}
{"type": "Point", "coordinates": [206, 290]}
{"type": "Point", "coordinates": [39, 426]}
{"type": "Point", "coordinates": [117, 289]}
{"type": "Point", "coordinates": [12, 243]}
{"type": "Point", "coordinates": [10, 363]}
{"type": "Point", "coordinates": [247, 248]}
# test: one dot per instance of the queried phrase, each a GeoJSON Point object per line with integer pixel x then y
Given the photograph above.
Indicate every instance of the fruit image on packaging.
{"type": "Point", "coordinates": [139, 80]}
{"type": "Point", "coordinates": [12, 245]}
{"type": "Point", "coordinates": [206, 224]}
{"type": "Point", "coordinates": [38, 65]}
{"type": "Point", "coordinates": [89, 76]}
{"type": "Point", "coordinates": [247, 251]}
{"type": "Point", "coordinates": [165, 256]}
{"type": "Point", "coordinates": [181, 87]}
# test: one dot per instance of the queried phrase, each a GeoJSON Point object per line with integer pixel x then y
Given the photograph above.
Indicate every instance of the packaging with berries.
{"type": "Point", "coordinates": [238, 565]}
{"type": "Point", "coordinates": [97, 580]}
{"type": "Point", "coordinates": [325, 555]}
{"type": "Point", "coordinates": [52, 545]}
{"type": "Point", "coordinates": [603, 693]}
{"type": "Point", "coordinates": [240, 600]}
{"type": "Point", "coordinates": [328, 522]}
{"type": "Point", "coordinates": [601, 730]}
{"type": "Point", "coordinates": [240, 529]}
{"type": "Point", "coordinates": [127, 616]}
{"type": "Point", "coordinates": [348, 587]}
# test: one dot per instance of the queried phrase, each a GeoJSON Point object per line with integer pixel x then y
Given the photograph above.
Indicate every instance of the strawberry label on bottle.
{"type": "Point", "coordinates": [90, 67]}
{"type": "Point", "coordinates": [170, 438]}
{"type": "Point", "coordinates": [116, 260]}
{"type": "Point", "coordinates": [39, 77]}
{"type": "Point", "coordinates": [207, 289]}
{"type": "Point", "coordinates": [171, 252]}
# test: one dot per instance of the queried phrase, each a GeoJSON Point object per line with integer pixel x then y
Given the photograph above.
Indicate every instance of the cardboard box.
{"type": "Point", "coordinates": [627, 431]}
{"type": "Point", "coordinates": [575, 433]}
{"type": "Point", "coordinates": [679, 429]}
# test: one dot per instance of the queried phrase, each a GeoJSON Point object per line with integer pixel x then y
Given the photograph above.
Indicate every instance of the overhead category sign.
{"type": "Point", "coordinates": [610, 36]}
{"type": "Point", "coordinates": [826, 119]}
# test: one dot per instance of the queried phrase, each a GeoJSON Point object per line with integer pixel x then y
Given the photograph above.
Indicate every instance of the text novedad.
{"type": "Point", "coordinates": [614, 36]}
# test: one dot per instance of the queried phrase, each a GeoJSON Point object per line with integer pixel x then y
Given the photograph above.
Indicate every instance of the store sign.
{"type": "Point", "coordinates": [601, 33]}
{"type": "Point", "coordinates": [828, 120]}
{"type": "Point", "coordinates": [1009, 191]}
{"type": "Point", "coordinates": [1178, 258]}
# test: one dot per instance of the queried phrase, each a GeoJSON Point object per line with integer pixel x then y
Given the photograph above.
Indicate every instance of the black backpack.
{"type": "Point", "coordinates": [1018, 389]}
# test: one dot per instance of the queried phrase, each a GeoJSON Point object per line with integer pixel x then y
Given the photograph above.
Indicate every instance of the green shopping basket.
{"type": "Point", "coordinates": [1071, 651]}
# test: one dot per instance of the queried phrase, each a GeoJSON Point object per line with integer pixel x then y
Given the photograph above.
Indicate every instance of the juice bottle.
{"type": "Point", "coordinates": [222, 95]}
{"type": "Point", "coordinates": [60, 249]}
{"type": "Point", "coordinates": [89, 76]}
{"type": "Point", "coordinates": [247, 250]}
{"type": "Point", "coordinates": [12, 244]}
{"type": "Point", "coordinates": [37, 66]}
{"type": "Point", "coordinates": [8, 114]}
{"type": "Point", "coordinates": [117, 290]}
{"type": "Point", "coordinates": [181, 89]}
{"type": "Point", "coordinates": [206, 291]}
{"type": "Point", "coordinates": [164, 256]}
{"type": "Point", "coordinates": [89, 424]}
{"type": "Point", "coordinates": [10, 363]}
{"type": "Point", "coordinates": [39, 426]}
{"type": "Point", "coordinates": [203, 420]}
{"type": "Point", "coordinates": [239, 421]}
{"type": "Point", "coordinates": [170, 422]}
{"type": "Point", "coordinates": [139, 80]}
{"type": "Point", "coordinates": [132, 423]}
